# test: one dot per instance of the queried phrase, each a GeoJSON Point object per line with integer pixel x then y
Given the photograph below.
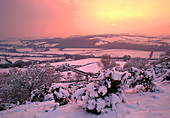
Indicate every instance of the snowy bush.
{"type": "Point", "coordinates": [60, 94]}
{"type": "Point", "coordinates": [166, 76]}
{"type": "Point", "coordinates": [105, 92]}
{"type": "Point", "coordinates": [162, 71]}
{"type": "Point", "coordinates": [39, 94]}
{"type": "Point", "coordinates": [78, 94]}
{"type": "Point", "coordinates": [142, 81]}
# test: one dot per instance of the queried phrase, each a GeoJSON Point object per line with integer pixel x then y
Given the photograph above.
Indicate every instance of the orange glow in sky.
{"type": "Point", "coordinates": [52, 18]}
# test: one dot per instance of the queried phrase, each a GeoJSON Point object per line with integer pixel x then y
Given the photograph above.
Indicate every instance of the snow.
{"type": "Point", "coordinates": [117, 75]}
{"type": "Point", "coordinates": [102, 90]}
{"type": "Point", "coordinates": [42, 58]}
{"type": "Point", "coordinates": [149, 105]}
{"type": "Point", "coordinates": [88, 51]}
{"type": "Point", "coordinates": [3, 61]}
{"type": "Point", "coordinates": [90, 68]}
{"type": "Point", "coordinates": [122, 52]}
{"type": "Point", "coordinates": [90, 87]}
{"type": "Point", "coordinates": [114, 100]}
{"type": "Point", "coordinates": [133, 40]}
{"type": "Point", "coordinates": [64, 92]}
{"type": "Point", "coordinates": [82, 49]}
{"type": "Point", "coordinates": [100, 104]}
{"type": "Point", "coordinates": [57, 85]}
{"type": "Point", "coordinates": [78, 62]}
{"type": "Point", "coordinates": [78, 94]}
{"type": "Point", "coordinates": [145, 105]}
{"type": "Point", "coordinates": [24, 49]}
{"type": "Point", "coordinates": [91, 104]}
{"type": "Point", "coordinates": [139, 89]}
{"type": "Point", "coordinates": [48, 97]}
{"type": "Point", "coordinates": [101, 43]}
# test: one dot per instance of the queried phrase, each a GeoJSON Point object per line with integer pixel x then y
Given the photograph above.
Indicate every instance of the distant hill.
{"type": "Point", "coordinates": [105, 41]}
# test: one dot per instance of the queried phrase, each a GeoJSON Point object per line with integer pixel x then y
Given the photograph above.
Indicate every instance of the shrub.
{"type": "Point", "coordinates": [144, 78]}
{"type": "Point", "coordinates": [104, 93]}
{"type": "Point", "coordinates": [60, 94]}
{"type": "Point", "coordinates": [126, 57]}
{"type": "Point", "coordinates": [40, 93]}
{"type": "Point", "coordinates": [107, 62]}
{"type": "Point", "coordinates": [162, 70]}
{"type": "Point", "coordinates": [22, 82]}
{"type": "Point", "coordinates": [5, 88]}
{"type": "Point", "coordinates": [139, 63]}
{"type": "Point", "coordinates": [165, 57]}
{"type": "Point", "coordinates": [19, 64]}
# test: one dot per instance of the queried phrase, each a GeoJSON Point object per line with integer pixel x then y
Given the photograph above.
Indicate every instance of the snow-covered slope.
{"type": "Point", "coordinates": [150, 104]}
{"type": "Point", "coordinates": [138, 105]}
{"type": "Point", "coordinates": [147, 105]}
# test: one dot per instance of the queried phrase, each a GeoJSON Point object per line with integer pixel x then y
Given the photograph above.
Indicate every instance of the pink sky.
{"type": "Point", "coordinates": [53, 18]}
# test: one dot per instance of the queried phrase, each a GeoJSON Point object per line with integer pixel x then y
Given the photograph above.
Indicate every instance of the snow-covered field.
{"type": "Point", "coordinates": [90, 67]}
{"type": "Point", "coordinates": [100, 52]}
{"type": "Point", "coordinates": [78, 62]}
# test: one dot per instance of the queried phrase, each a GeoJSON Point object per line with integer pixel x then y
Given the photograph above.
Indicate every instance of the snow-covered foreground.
{"type": "Point", "coordinates": [138, 105]}
{"type": "Point", "coordinates": [146, 105]}
{"type": "Point", "coordinates": [150, 104]}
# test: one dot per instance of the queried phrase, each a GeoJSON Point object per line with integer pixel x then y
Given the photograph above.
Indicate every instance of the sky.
{"type": "Point", "coordinates": [62, 18]}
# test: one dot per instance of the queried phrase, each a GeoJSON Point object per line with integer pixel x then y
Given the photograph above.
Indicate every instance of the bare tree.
{"type": "Point", "coordinates": [138, 62]}
{"type": "Point", "coordinates": [107, 62]}
{"type": "Point", "coordinates": [165, 57]}
{"type": "Point", "coordinates": [126, 57]}
{"type": "Point", "coordinates": [150, 55]}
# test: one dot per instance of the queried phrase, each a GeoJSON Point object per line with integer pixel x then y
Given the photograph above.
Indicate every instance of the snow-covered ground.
{"type": "Point", "coordinates": [100, 52]}
{"type": "Point", "coordinates": [150, 104]}
{"type": "Point", "coordinates": [138, 105]}
{"type": "Point", "coordinates": [92, 67]}
{"type": "Point", "coordinates": [78, 62]}
{"type": "Point", "coordinates": [146, 105]}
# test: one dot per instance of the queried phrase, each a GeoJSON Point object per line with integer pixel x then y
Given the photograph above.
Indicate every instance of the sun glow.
{"type": "Point", "coordinates": [118, 13]}
{"type": "Point", "coordinates": [121, 10]}
{"type": "Point", "coordinates": [50, 18]}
